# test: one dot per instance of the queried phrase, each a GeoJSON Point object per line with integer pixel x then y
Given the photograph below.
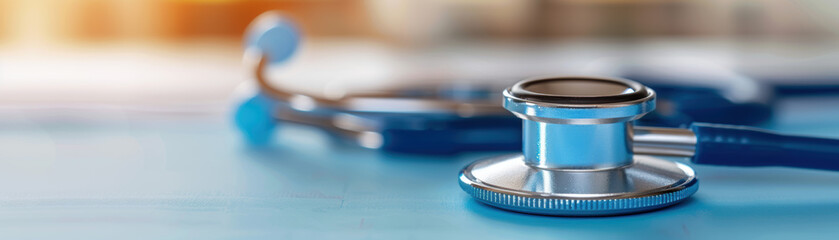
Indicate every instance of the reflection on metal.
{"type": "Point", "coordinates": [508, 182]}
{"type": "Point", "coordinates": [578, 154]}
{"type": "Point", "coordinates": [678, 142]}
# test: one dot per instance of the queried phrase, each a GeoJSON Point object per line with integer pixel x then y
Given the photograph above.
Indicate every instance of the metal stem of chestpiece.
{"type": "Point", "coordinates": [578, 153]}
{"type": "Point", "coordinates": [677, 142]}
{"type": "Point", "coordinates": [571, 146]}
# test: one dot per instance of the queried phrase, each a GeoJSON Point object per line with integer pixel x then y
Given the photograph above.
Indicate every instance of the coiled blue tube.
{"type": "Point", "coordinates": [729, 145]}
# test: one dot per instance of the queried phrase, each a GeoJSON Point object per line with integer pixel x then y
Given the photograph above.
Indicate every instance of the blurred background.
{"type": "Point", "coordinates": [186, 54]}
{"type": "Point", "coordinates": [116, 116]}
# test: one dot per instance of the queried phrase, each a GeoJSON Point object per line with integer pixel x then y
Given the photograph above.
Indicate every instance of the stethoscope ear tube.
{"type": "Point", "coordinates": [729, 145]}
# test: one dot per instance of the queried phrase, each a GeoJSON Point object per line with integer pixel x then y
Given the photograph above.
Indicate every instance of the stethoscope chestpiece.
{"type": "Point", "coordinates": [577, 155]}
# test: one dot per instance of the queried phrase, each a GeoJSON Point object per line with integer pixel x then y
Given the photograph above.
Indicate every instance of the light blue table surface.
{"type": "Point", "coordinates": [133, 175]}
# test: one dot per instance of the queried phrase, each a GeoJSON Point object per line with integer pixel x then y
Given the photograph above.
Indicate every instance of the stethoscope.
{"type": "Point", "coordinates": [582, 156]}
{"type": "Point", "coordinates": [434, 120]}
{"type": "Point", "coordinates": [442, 119]}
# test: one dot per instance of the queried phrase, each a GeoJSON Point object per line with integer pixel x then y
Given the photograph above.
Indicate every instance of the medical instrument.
{"type": "Point", "coordinates": [417, 120]}
{"type": "Point", "coordinates": [430, 120]}
{"type": "Point", "coordinates": [582, 156]}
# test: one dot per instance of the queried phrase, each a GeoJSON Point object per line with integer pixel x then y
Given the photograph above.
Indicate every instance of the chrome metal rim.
{"type": "Point", "coordinates": [649, 183]}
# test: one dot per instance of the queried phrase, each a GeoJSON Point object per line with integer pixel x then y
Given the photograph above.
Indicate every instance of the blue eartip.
{"type": "Point", "coordinates": [274, 35]}
{"type": "Point", "coordinates": [254, 120]}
